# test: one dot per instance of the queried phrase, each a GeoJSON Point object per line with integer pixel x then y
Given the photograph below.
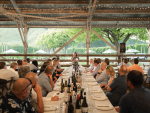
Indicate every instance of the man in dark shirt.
{"type": "Point", "coordinates": [118, 87]}
{"type": "Point", "coordinates": [138, 99]}
{"type": "Point", "coordinates": [16, 100]}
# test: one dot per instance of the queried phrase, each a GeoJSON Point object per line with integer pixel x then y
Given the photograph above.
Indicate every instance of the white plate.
{"type": "Point", "coordinates": [104, 107]}
{"type": "Point", "coordinates": [93, 84]}
{"type": "Point", "coordinates": [50, 108]}
{"type": "Point", "coordinates": [100, 98]}
{"type": "Point", "coordinates": [96, 91]}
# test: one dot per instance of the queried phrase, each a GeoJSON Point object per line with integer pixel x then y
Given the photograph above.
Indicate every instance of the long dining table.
{"type": "Point", "coordinates": [96, 98]}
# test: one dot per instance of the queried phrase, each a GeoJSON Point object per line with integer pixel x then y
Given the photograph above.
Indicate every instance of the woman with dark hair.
{"type": "Point", "coordinates": [75, 60]}
{"type": "Point", "coordinates": [34, 62]}
{"type": "Point", "coordinates": [42, 69]}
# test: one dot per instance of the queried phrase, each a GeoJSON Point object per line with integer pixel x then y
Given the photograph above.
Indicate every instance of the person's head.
{"type": "Point", "coordinates": [3, 65]}
{"type": "Point", "coordinates": [46, 63]}
{"type": "Point", "coordinates": [103, 66]}
{"type": "Point", "coordinates": [55, 63]}
{"type": "Point", "coordinates": [125, 60]}
{"type": "Point", "coordinates": [107, 61]}
{"type": "Point", "coordinates": [99, 60]}
{"type": "Point", "coordinates": [50, 61]}
{"type": "Point", "coordinates": [75, 54]}
{"type": "Point", "coordinates": [19, 62]}
{"type": "Point", "coordinates": [53, 58]}
{"type": "Point", "coordinates": [23, 70]}
{"type": "Point", "coordinates": [21, 88]}
{"type": "Point", "coordinates": [33, 77]}
{"type": "Point", "coordinates": [122, 59]}
{"type": "Point", "coordinates": [42, 69]}
{"type": "Point", "coordinates": [96, 62]}
{"type": "Point", "coordinates": [136, 61]}
{"type": "Point", "coordinates": [110, 71]}
{"type": "Point", "coordinates": [91, 61]}
{"type": "Point", "coordinates": [24, 62]}
{"type": "Point", "coordinates": [134, 79]}
{"type": "Point", "coordinates": [49, 69]}
{"type": "Point", "coordinates": [123, 70]}
{"type": "Point", "coordinates": [58, 59]}
{"type": "Point", "coordinates": [28, 60]}
{"type": "Point", "coordinates": [13, 65]}
{"type": "Point", "coordinates": [34, 62]}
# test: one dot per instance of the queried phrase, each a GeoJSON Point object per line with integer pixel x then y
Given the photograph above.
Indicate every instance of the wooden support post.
{"type": "Point", "coordinates": [104, 40]}
{"type": "Point", "coordinates": [87, 42]}
{"type": "Point", "coordinates": [148, 30]}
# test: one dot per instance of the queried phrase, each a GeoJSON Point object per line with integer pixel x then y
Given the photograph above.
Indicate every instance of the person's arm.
{"type": "Point", "coordinates": [101, 77]}
{"type": "Point", "coordinates": [109, 83]}
{"type": "Point", "coordinates": [72, 58]}
{"type": "Point", "coordinates": [92, 67]}
{"type": "Point", "coordinates": [37, 89]}
{"type": "Point", "coordinates": [113, 85]}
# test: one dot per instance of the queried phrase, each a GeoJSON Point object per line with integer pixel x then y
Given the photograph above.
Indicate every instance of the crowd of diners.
{"type": "Point", "coordinates": [125, 91]}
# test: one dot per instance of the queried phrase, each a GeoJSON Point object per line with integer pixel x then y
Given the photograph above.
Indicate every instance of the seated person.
{"type": "Point", "coordinates": [32, 66]}
{"type": "Point", "coordinates": [42, 69]}
{"type": "Point", "coordinates": [19, 64]}
{"type": "Point", "coordinates": [96, 63]}
{"type": "Point", "coordinates": [111, 72]}
{"type": "Point", "coordinates": [50, 61]}
{"type": "Point", "coordinates": [56, 72]}
{"type": "Point", "coordinates": [24, 62]}
{"type": "Point", "coordinates": [102, 77]}
{"type": "Point", "coordinates": [125, 62]}
{"type": "Point", "coordinates": [35, 94]}
{"type": "Point", "coordinates": [121, 62]}
{"type": "Point", "coordinates": [13, 67]}
{"type": "Point", "coordinates": [107, 61]}
{"type": "Point", "coordinates": [118, 87]}
{"type": "Point", "coordinates": [23, 70]}
{"type": "Point", "coordinates": [59, 66]}
{"type": "Point", "coordinates": [7, 74]}
{"type": "Point", "coordinates": [45, 80]}
{"type": "Point", "coordinates": [91, 65]}
{"type": "Point", "coordinates": [35, 63]}
{"type": "Point", "coordinates": [16, 100]}
{"type": "Point", "coordinates": [135, 66]}
{"type": "Point", "coordinates": [138, 99]}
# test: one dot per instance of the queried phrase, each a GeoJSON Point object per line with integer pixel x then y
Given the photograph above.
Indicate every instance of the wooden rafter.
{"type": "Point", "coordinates": [76, 2]}
{"type": "Point", "coordinates": [104, 40]}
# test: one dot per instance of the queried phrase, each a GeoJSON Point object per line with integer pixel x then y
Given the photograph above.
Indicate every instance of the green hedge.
{"type": "Point", "coordinates": [100, 50]}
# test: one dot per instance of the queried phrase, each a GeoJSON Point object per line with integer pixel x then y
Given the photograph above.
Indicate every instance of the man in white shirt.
{"type": "Point", "coordinates": [13, 67]}
{"type": "Point", "coordinates": [91, 65]}
{"type": "Point", "coordinates": [32, 67]}
{"type": "Point", "coordinates": [5, 73]}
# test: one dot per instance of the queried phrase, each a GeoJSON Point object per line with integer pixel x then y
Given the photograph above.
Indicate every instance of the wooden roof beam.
{"type": "Point", "coordinates": [75, 2]}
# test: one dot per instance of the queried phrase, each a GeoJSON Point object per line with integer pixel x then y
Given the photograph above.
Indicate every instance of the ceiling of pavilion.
{"type": "Point", "coordinates": [75, 13]}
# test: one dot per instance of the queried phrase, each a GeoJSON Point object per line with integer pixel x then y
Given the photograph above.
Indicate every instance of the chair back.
{"type": "Point", "coordinates": [3, 86]}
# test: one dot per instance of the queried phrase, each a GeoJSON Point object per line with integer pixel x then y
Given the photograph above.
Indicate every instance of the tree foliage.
{"type": "Point", "coordinates": [54, 38]}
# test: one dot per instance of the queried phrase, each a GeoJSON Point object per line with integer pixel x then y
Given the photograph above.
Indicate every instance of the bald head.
{"type": "Point", "coordinates": [103, 65]}
{"type": "Point", "coordinates": [49, 69]}
{"type": "Point", "coordinates": [20, 85]}
{"type": "Point", "coordinates": [123, 70]}
{"type": "Point", "coordinates": [32, 76]}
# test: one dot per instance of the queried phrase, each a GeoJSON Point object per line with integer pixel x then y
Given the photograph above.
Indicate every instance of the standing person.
{"type": "Point", "coordinates": [75, 60]}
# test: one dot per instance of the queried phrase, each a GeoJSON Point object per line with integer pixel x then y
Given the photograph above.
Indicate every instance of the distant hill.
{"type": "Point", "coordinates": [12, 36]}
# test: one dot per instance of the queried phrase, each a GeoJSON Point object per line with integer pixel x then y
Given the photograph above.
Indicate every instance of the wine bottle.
{"type": "Point", "coordinates": [70, 106]}
{"type": "Point", "coordinates": [74, 98]}
{"type": "Point", "coordinates": [65, 86]}
{"type": "Point", "coordinates": [69, 86]}
{"type": "Point", "coordinates": [78, 106]}
{"type": "Point", "coordinates": [62, 86]}
{"type": "Point", "coordinates": [84, 104]}
{"type": "Point", "coordinates": [75, 87]}
{"type": "Point", "coordinates": [81, 97]}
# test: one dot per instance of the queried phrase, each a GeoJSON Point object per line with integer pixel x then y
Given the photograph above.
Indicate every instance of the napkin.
{"type": "Point", "coordinates": [104, 107]}
{"type": "Point", "coordinates": [50, 107]}
{"type": "Point", "coordinates": [99, 97]}
{"type": "Point", "coordinates": [96, 91]}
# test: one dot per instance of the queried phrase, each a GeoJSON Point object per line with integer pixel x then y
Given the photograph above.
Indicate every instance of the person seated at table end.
{"type": "Point", "coordinates": [118, 87]}
{"type": "Point", "coordinates": [102, 77]}
{"type": "Point", "coordinates": [138, 99]}
{"type": "Point", "coordinates": [16, 100]}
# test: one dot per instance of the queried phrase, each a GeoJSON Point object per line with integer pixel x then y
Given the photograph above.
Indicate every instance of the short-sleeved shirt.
{"type": "Point", "coordinates": [118, 89]}
{"type": "Point", "coordinates": [11, 104]}
{"type": "Point", "coordinates": [103, 78]}
{"type": "Point", "coordinates": [135, 67]}
{"type": "Point", "coordinates": [136, 101]}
